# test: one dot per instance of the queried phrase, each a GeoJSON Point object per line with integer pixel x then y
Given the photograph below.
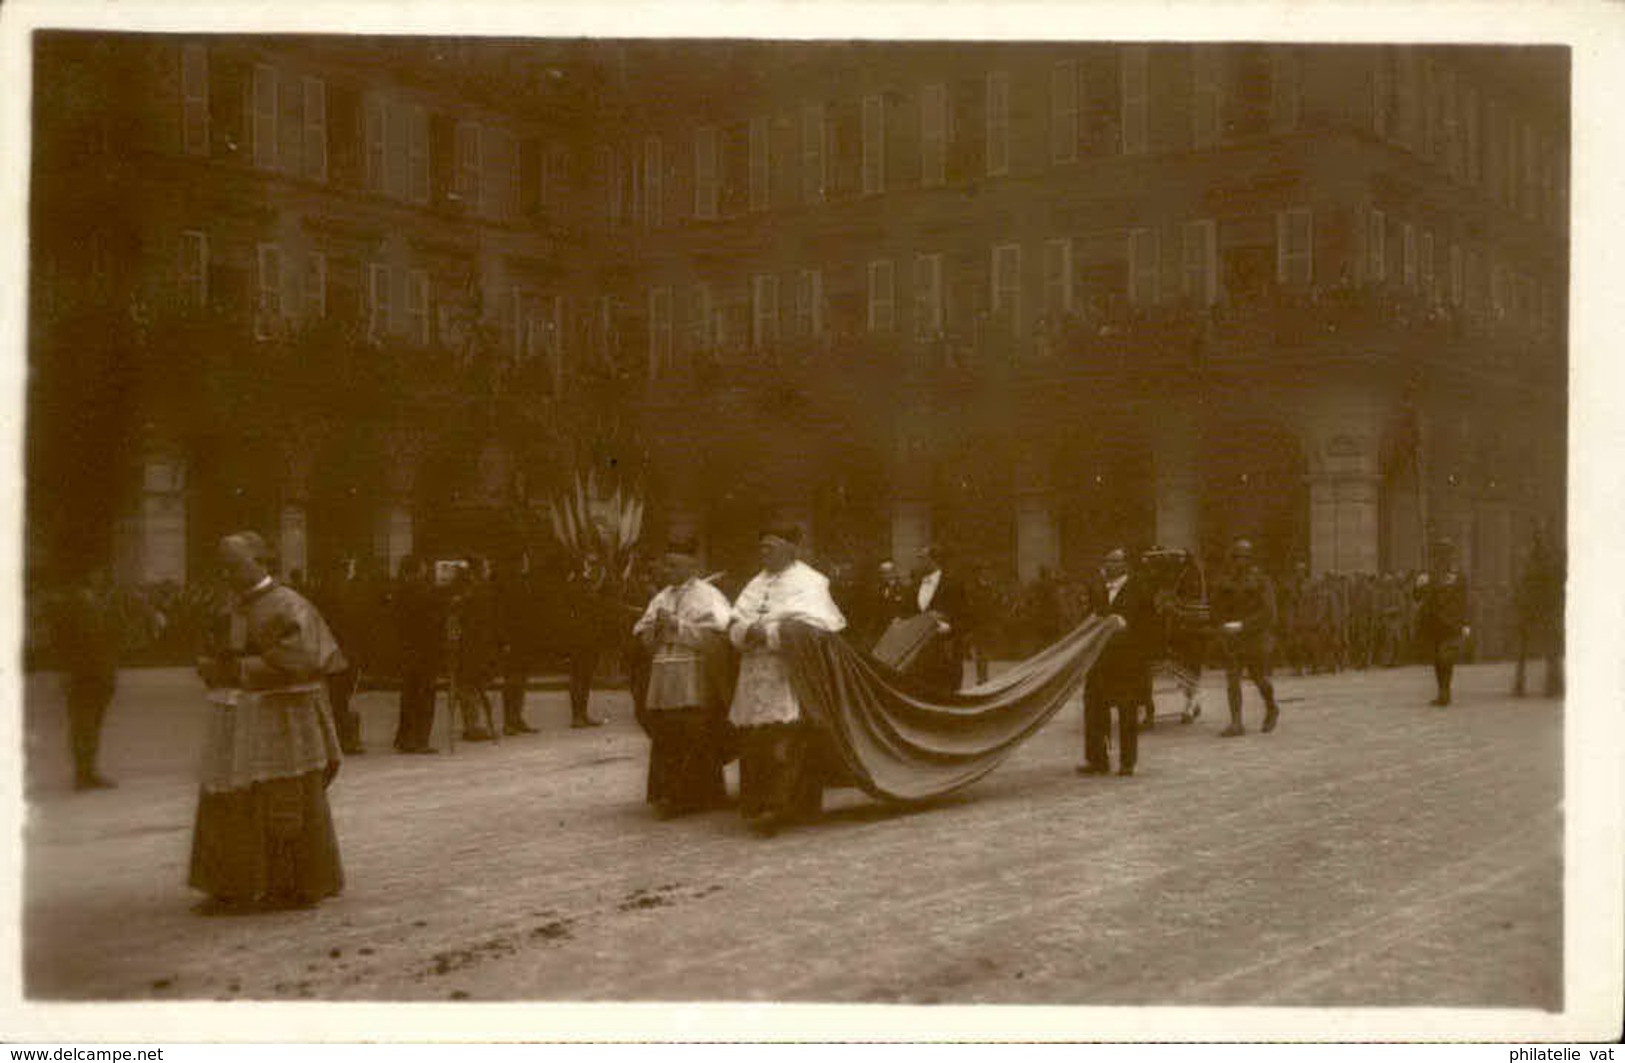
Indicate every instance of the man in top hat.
{"type": "Point", "coordinates": [1121, 675]}
{"type": "Point", "coordinates": [942, 596]}
{"type": "Point", "coordinates": [775, 780]}
{"type": "Point", "coordinates": [1442, 616]}
{"type": "Point", "coordinates": [685, 630]}
{"type": "Point", "coordinates": [1244, 611]}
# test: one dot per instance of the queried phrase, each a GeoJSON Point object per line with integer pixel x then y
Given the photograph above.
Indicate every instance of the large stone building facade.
{"type": "Point", "coordinates": [1025, 299]}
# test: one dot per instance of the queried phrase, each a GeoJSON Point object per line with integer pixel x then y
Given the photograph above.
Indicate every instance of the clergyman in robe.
{"type": "Point", "coordinates": [777, 782]}
{"type": "Point", "coordinates": [685, 630]}
{"type": "Point", "coordinates": [264, 833]}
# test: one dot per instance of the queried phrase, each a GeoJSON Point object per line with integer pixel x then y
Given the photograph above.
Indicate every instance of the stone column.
{"type": "Point", "coordinates": [1343, 522]}
{"type": "Point", "coordinates": [910, 531]}
{"type": "Point", "coordinates": [291, 542]}
{"type": "Point", "coordinates": [151, 537]}
{"type": "Point", "coordinates": [393, 525]}
{"type": "Point", "coordinates": [392, 534]}
{"type": "Point", "coordinates": [1178, 483]}
{"type": "Point", "coordinates": [1038, 539]}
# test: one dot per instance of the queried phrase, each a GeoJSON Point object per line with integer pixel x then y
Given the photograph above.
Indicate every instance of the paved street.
{"type": "Point", "coordinates": [1373, 851]}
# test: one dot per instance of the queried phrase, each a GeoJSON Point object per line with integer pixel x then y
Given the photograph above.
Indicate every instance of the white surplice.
{"type": "Point", "coordinates": [676, 673]}
{"type": "Point", "coordinates": [799, 592]}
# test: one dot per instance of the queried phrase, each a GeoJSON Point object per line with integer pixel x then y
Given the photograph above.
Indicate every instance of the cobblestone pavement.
{"type": "Point", "coordinates": [1372, 851]}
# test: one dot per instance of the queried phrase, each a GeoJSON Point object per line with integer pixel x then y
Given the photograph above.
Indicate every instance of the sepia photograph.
{"type": "Point", "coordinates": [1028, 518]}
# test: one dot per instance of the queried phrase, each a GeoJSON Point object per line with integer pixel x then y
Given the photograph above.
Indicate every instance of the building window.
{"type": "Point", "coordinates": [467, 177]}
{"type": "Point", "coordinates": [700, 334]}
{"type": "Point", "coordinates": [1449, 130]}
{"type": "Point", "coordinates": [1477, 282]}
{"type": "Point", "coordinates": [809, 303]}
{"type": "Point", "coordinates": [514, 157]}
{"type": "Point", "coordinates": [928, 308]}
{"type": "Point", "coordinates": [660, 345]}
{"type": "Point", "coordinates": [1206, 101]}
{"type": "Point", "coordinates": [315, 129]}
{"type": "Point", "coordinates": [1199, 271]}
{"type": "Point", "coordinates": [1063, 112]}
{"type": "Point", "coordinates": [417, 155]}
{"type": "Point", "coordinates": [1376, 247]}
{"type": "Point", "coordinates": [417, 306]}
{"type": "Point", "coordinates": [764, 329]}
{"type": "Point", "coordinates": [1294, 247]}
{"type": "Point", "coordinates": [1407, 255]}
{"type": "Point", "coordinates": [194, 269]}
{"type": "Point", "coordinates": [1432, 140]}
{"type": "Point", "coordinates": [1057, 279]}
{"type": "Point", "coordinates": [760, 194]}
{"type": "Point", "coordinates": [492, 148]}
{"type": "Point", "coordinates": [268, 291]}
{"type": "Point", "coordinates": [812, 154]}
{"type": "Point", "coordinates": [1408, 117]}
{"type": "Point", "coordinates": [874, 145]}
{"type": "Point", "coordinates": [1136, 100]}
{"type": "Point", "coordinates": [1474, 169]}
{"type": "Point", "coordinates": [377, 301]}
{"type": "Point", "coordinates": [195, 99]}
{"type": "Point", "coordinates": [1007, 286]}
{"type": "Point", "coordinates": [934, 135]}
{"type": "Point", "coordinates": [1382, 94]}
{"type": "Point", "coordinates": [1531, 174]}
{"type": "Point", "coordinates": [1425, 272]}
{"type": "Point", "coordinates": [882, 296]}
{"type": "Point", "coordinates": [554, 178]}
{"type": "Point", "coordinates": [1458, 280]}
{"type": "Point", "coordinates": [1283, 89]}
{"type": "Point", "coordinates": [315, 286]}
{"type": "Point", "coordinates": [654, 188]}
{"type": "Point", "coordinates": [998, 124]}
{"type": "Point", "coordinates": [1143, 267]}
{"type": "Point", "coordinates": [705, 173]}
{"type": "Point", "coordinates": [377, 140]}
{"type": "Point", "coordinates": [265, 117]}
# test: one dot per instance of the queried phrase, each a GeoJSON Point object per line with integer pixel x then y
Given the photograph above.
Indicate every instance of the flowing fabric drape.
{"type": "Point", "coordinates": [902, 742]}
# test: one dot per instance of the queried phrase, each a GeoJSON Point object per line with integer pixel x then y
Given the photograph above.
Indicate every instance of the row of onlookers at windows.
{"type": "Point", "coordinates": [769, 308]}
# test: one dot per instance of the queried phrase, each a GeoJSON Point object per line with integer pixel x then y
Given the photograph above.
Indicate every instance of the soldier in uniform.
{"type": "Point", "coordinates": [1244, 611]}
{"type": "Point", "coordinates": [1442, 616]}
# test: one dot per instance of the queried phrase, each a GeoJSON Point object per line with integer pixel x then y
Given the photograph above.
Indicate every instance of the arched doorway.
{"type": "Point", "coordinates": [1255, 485]}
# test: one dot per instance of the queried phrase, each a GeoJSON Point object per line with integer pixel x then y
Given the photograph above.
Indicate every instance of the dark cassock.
{"type": "Point", "coordinates": [264, 834]}
{"type": "Point", "coordinates": [684, 629]}
{"type": "Point", "coordinates": [778, 776]}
